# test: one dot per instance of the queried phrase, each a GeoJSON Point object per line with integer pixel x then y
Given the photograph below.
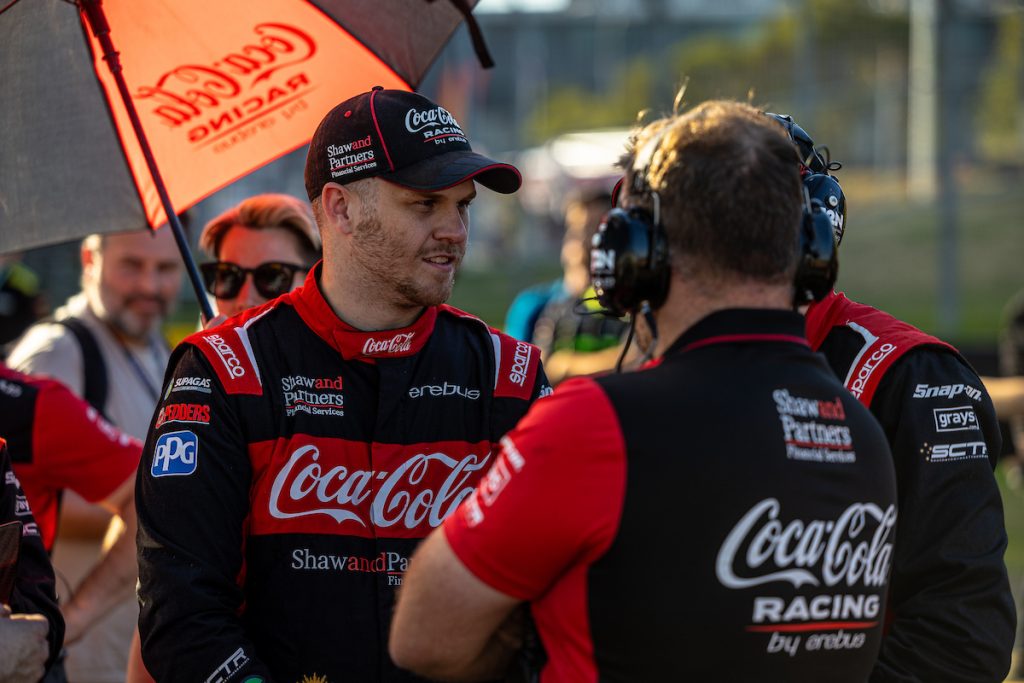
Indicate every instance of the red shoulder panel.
{"type": "Point", "coordinates": [516, 364]}
{"type": "Point", "coordinates": [229, 351]}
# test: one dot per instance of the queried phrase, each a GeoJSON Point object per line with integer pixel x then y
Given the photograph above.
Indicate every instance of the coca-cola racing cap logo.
{"type": "Point", "coordinates": [401, 137]}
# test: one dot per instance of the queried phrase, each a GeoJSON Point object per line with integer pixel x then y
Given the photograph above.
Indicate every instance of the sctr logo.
{"type": "Point", "coordinates": [176, 454]}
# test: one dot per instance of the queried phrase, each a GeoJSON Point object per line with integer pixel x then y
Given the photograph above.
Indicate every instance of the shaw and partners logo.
{"type": "Point", "coordinates": [306, 486]}
{"type": "Point", "coordinates": [241, 86]}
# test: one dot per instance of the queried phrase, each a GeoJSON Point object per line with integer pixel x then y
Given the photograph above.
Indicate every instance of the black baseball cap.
{"type": "Point", "coordinates": [402, 137]}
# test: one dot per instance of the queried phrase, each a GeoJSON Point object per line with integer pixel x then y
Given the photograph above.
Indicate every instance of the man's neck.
{"type": "Point", "coordinates": [686, 305]}
{"type": "Point", "coordinates": [355, 304]}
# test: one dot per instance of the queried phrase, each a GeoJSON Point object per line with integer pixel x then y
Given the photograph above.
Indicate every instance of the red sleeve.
{"type": "Point", "coordinates": [77, 449]}
{"type": "Point", "coordinates": [552, 499]}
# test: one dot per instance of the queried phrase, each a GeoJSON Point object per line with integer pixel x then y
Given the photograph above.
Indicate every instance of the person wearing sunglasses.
{"type": "Point", "coordinates": [263, 248]}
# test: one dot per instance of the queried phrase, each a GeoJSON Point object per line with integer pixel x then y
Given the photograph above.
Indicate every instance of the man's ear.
{"type": "Point", "coordinates": [336, 201]}
{"type": "Point", "coordinates": [88, 256]}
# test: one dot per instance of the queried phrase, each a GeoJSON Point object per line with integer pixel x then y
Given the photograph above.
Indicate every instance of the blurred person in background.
{"type": "Point", "coordinates": [951, 613]}
{"type": "Point", "coordinates": [671, 524]}
{"type": "Point", "coordinates": [263, 248]}
{"type": "Point", "coordinates": [563, 317]}
{"type": "Point", "coordinates": [31, 626]}
{"type": "Point", "coordinates": [58, 443]}
{"type": "Point", "coordinates": [21, 301]}
{"type": "Point", "coordinates": [105, 344]}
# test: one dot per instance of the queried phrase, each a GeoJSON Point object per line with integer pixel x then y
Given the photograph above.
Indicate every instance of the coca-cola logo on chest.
{"type": "Point", "coordinates": [416, 493]}
{"type": "Point", "coordinates": [211, 101]}
{"type": "Point", "coordinates": [853, 548]}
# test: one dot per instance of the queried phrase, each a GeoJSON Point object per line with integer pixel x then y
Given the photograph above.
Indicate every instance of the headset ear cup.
{"type": "Point", "coordinates": [629, 261]}
{"type": "Point", "coordinates": [818, 267]}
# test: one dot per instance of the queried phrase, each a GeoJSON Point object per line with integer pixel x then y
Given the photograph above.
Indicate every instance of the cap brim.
{"type": "Point", "coordinates": [447, 170]}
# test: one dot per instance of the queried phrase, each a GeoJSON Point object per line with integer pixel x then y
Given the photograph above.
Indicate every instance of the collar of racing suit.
{"type": "Point", "coordinates": [742, 325]}
{"type": "Point", "coordinates": [822, 316]}
{"type": "Point", "coordinates": [348, 341]}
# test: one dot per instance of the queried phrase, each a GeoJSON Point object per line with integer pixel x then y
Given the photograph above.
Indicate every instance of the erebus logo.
{"type": "Point", "coordinates": [227, 355]}
{"type": "Point", "coordinates": [520, 363]}
{"type": "Point", "coordinates": [400, 343]}
{"type": "Point", "coordinates": [868, 368]}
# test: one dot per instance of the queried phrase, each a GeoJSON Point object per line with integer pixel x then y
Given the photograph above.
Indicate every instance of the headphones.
{"type": "Point", "coordinates": [629, 261]}
{"type": "Point", "coordinates": [814, 171]}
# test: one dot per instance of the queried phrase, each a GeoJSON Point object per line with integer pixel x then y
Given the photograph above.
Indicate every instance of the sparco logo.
{"type": "Point", "coordinates": [416, 120]}
{"type": "Point", "coordinates": [868, 368]}
{"type": "Point", "coordinates": [227, 355]}
{"type": "Point", "coordinates": [400, 343]}
{"type": "Point", "coordinates": [305, 487]}
{"type": "Point", "coordinates": [817, 552]}
{"type": "Point", "coordinates": [520, 363]}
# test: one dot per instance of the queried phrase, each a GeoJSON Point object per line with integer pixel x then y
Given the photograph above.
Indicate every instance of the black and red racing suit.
{"type": "Point", "coordinates": [951, 612]}
{"type": "Point", "coordinates": [293, 466]}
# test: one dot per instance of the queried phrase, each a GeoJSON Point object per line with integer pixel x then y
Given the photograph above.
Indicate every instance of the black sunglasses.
{"type": "Point", "coordinates": [224, 279]}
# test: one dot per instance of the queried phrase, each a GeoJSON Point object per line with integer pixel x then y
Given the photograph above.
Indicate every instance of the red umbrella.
{"type": "Point", "coordinates": [201, 93]}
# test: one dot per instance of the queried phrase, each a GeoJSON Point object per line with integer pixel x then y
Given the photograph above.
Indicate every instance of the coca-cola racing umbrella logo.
{"type": "Point", "coordinates": [245, 87]}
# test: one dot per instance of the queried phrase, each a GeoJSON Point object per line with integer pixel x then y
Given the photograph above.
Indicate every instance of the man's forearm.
{"type": "Point", "coordinates": [109, 582]}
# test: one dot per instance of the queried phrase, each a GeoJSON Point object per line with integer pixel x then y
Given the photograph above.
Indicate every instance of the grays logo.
{"type": "Point", "coordinates": [176, 454]}
{"type": "Point", "coordinates": [955, 419]}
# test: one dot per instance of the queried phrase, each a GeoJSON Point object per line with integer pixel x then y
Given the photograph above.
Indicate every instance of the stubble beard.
{"type": "Point", "coordinates": [378, 254]}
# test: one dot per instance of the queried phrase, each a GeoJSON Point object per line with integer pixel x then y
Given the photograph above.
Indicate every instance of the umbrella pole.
{"type": "Point", "coordinates": [101, 29]}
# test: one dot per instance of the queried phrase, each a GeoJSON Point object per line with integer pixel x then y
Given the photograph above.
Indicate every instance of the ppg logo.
{"type": "Point", "coordinates": [175, 454]}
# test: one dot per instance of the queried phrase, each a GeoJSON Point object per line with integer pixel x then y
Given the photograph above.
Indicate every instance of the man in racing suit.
{"type": "Point", "coordinates": [59, 443]}
{"type": "Point", "coordinates": [951, 613]}
{"type": "Point", "coordinates": [303, 448]}
{"type": "Point", "coordinates": [30, 641]}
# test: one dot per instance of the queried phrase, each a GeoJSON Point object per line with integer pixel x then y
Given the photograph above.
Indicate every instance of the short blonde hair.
{"type": "Point", "coordinates": [261, 212]}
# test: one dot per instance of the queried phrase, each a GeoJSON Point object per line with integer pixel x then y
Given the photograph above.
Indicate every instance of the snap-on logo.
{"type": "Point", "coordinates": [227, 355]}
{"type": "Point", "coordinates": [868, 368]}
{"type": "Point", "coordinates": [520, 363]}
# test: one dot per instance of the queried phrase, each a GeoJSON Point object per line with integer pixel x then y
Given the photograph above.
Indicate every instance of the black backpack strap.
{"type": "Point", "coordinates": [95, 368]}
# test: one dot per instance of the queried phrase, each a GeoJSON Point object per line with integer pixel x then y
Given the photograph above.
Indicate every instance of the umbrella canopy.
{"type": "Point", "coordinates": [221, 88]}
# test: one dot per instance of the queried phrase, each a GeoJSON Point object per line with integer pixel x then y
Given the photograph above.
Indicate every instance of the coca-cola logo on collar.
{"type": "Point", "coordinates": [387, 346]}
